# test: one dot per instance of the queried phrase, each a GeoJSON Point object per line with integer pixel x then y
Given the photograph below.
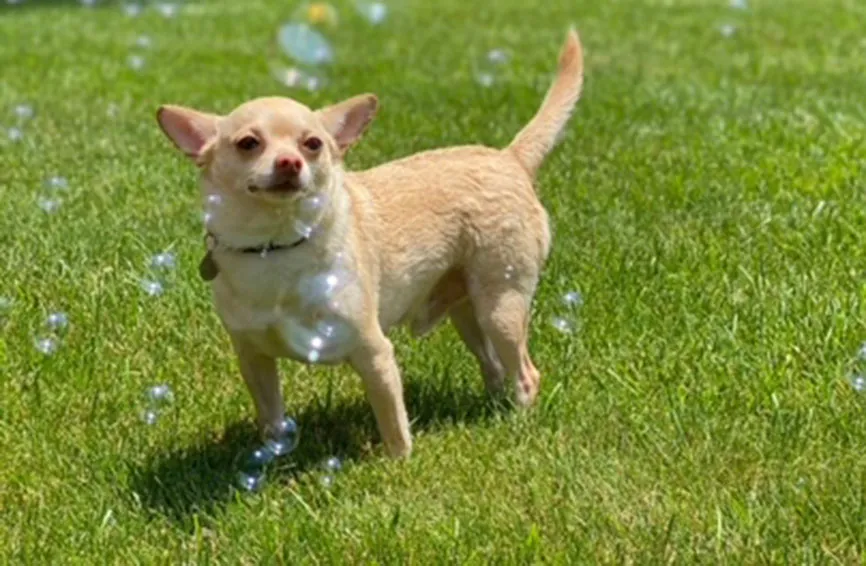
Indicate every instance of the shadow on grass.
{"type": "Point", "coordinates": [201, 479]}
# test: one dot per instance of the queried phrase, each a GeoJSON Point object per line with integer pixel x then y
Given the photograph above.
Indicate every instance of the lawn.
{"type": "Point", "coordinates": [708, 204]}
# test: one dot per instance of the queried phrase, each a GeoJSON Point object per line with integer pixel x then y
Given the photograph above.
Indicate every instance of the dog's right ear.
{"type": "Point", "coordinates": [190, 130]}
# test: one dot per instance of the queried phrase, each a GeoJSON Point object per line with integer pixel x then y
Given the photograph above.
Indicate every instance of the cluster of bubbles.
{"type": "Point", "coordinates": [157, 398]}
{"type": "Point", "coordinates": [858, 376]}
{"type": "Point", "coordinates": [159, 265]}
{"type": "Point", "coordinates": [317, 331]}
{"type": "Point", "coordinates": [56, 324]}
{"type": "Point", "coordinates": [304, 46]}
{"type": "Point", "coordinates": [282, 441]}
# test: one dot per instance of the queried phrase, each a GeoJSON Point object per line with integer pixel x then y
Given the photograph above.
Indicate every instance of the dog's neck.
{"type": "Point", "coordinates": [240, 222]}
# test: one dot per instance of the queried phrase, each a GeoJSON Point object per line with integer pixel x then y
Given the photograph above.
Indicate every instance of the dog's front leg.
{"type": "Point", "coordinates": [260, 374]}
{"type": "Point", "coordinates": [375, 363]}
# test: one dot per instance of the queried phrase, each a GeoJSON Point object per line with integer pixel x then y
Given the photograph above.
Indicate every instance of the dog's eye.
{"type": "Point", "coordinates": [248, 143]}
{"type": "Point", "coordinates": [313, 143]}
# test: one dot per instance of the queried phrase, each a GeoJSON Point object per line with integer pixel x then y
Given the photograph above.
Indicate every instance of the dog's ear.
{"type": "Point", "coordinates": [190, 130]}
{"type": "Point", "coordinates": [347, 120]}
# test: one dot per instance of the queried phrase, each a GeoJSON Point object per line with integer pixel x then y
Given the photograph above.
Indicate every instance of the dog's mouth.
{"type": "Point", "coordinates": [282, 188]}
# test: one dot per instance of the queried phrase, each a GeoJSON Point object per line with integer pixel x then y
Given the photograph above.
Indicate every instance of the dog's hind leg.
{"type": "Point", "coordinates": [465, 322]}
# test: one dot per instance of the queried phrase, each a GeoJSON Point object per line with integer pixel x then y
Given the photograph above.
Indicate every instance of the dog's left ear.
{"type": "Point", "coordinates": [347, 120]}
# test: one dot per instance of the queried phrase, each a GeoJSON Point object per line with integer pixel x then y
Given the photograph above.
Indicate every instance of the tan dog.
{"type": "Point", "coordinates": [457, 232]}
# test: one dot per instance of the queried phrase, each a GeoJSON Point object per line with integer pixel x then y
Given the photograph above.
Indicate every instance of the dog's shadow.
{"type": "Point", "coordinates": [203, 478]}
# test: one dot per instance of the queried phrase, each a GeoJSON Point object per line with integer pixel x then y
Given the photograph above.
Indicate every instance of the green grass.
{"type": "Point", "coordinates": [708, 202]}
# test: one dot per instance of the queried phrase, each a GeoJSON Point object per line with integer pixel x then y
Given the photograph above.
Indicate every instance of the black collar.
{"type": "Point", "coordinates": [263, 249]}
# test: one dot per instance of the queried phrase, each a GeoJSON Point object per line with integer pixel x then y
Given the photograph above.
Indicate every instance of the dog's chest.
{"type": "Point", "coordinates": [289, 307]}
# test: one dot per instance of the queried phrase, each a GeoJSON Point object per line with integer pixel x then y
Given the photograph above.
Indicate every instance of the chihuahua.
{"type": "Point", "coordinates": [456, 232]}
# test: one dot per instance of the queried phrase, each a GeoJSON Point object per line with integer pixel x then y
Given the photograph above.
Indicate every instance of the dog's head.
{"type": "Point", "coordinates": [274, 149]}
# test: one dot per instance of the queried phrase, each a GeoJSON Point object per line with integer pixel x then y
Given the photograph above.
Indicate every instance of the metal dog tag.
{"type": "Point", "coordinates": [208, 269]}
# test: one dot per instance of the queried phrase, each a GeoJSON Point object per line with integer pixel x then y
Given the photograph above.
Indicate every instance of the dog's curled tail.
{"type": "Point", "coordinates": [539, 136]}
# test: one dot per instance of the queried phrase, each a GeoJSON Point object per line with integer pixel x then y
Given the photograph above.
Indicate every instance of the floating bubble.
{"type": "Point", "coordinates": [56, 182]}
{"type": "Point", "coordinates": [87, 3]}
{"type": "Point", "coordinates": [164, 260]}
{"type": "Point", "coordinates": [167, 9]}
{"type": "Point", "coordinates": [214, 200]}
{"type": "Point", "coordinates": [862, 352]}
{"type": "Point", "coordinates": [150, 416]}
{"type": "Point", "coordinates": [373, 12]}
{"type": "Point", "coordinates": [132, 10]}
{"type": "Point", "coordinates": [6, 304]}
{"type": "Point", "coordinates": [57, 321]}
{"type": "Point", "coordinates": [727, 30]}
{"type": "Point", "coordinates": [303, 48]}
{"type": "Point", "coordinates": [573, 299]}
{"type": "Point", "coordinates": [562, 324]}
{"type": "Point", "coordinates": [509, 272]}
{"type": "Point", "coordinates": [327, 481]}
{"type": "Point", "coordinates": [49, 205]}
{"type": "Point", "coordinates": [24, 111]}
{"type": "Point", "coordinates": [260, 457]}
{"type": "Point", "coordinates": [333, 464]}
{"type": "Point", "coordinates": [46, 345]}
{"type": "Point", "coordinates": [858, 382]}
{"type": "Point", "coordinates": [740, 4]}
{"type": "Point", "coordinates": [160, 394]}
{"type": "Point", "coordinates": [112, 110]}
{"type": "Point", "coordinates": [305, 45]}
{"type": "Point", "coordinates": [143, 41]}
{"type": "Point", "coordinates": [15, 134]}
{"type": "Point", "coordinates": [136, 62]}
{"type": "Point", "coordinates": [283, 438]}
{"type": "Point", "coordinates": [251, 481]}
{"type": "Point", "coordinates": [152, 288]}
{"type": "Point", "coordinates": [323, 340]}
{"type": "Point", "coordinates": [490, 67]}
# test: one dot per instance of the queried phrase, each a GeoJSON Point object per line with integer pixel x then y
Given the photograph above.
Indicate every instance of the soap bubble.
{"type": "Point", "coordinates": [562, 324]}
{"type": "Point", "coordinates": [858, 382]}
{"type": "Point", "coordinates": [333, 464]}
{"type": "Point", "coordinates": [308, 214]}
{"type": "Point", "coordinates": [57, 321]}
{"type": "Point", "coordinates": [740, 4]}
{"type": "Point", "coordinates": [143, 41]}
{"type": "Point", "coordinates": [320, 341]}
{"type": "Point", "coordinates": [509, 272]}
{"type": "Point", "coordinates": [303, 46]}
{"type": "Point", "coordinates": [283, 438]}
{"type": "Point", "coordinates": [164, 260]}
{"type": "Point", "coordinates": [87, 3]}
{"type": "Point", "coordinates": [727, 30]}
{"type": "Point", "coordinates": [167, 9]}
{"type": "Point", "coordinates": [24, 112]}
{"type": "Point", "coordinates": [151, 287]}
{"type": "Point", "coordinates": [150, 416]}
{"type": "Point", "coordinates": [132, 10]}
{"type": "Point", "coordinates": [15, 134]}
{"type": "Point", "coordinates": [327, 481]}
{"type": "Point", "coordinates": [6, 304]}
{"type": "Point", "coordinates": [260, 457]}
{"type": "Point", "coordinates": [46, 345]}
{"type": "Point", "coordinates": [573, 299]}
{"type": "Point", "coordinates": [56, 182]}
{"type": "Point", "coordinates": [861, 354]}
{"type": "Point", "coordinates": [490, 67]}
{"type": "Point", "coordinates": [251, 481]}
{"type": "Point", "coordinates": [49, 205]}
{"type": "Point", "coordinates": [159, 394]}
{"type": "Point", "coordinates": [136, 62]}
{"type": "Point", "coordinates": [373, 12]}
